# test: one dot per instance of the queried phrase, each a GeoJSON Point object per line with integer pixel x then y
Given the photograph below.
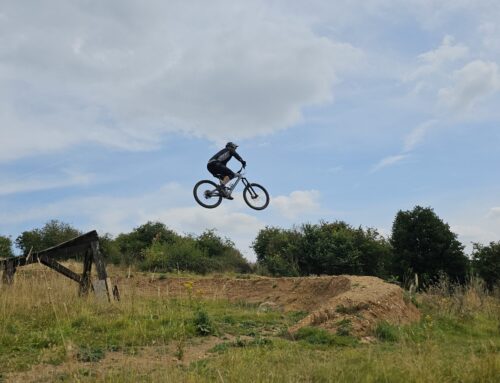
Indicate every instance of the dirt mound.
{"type": "Point", "coordinates": [352, 304]}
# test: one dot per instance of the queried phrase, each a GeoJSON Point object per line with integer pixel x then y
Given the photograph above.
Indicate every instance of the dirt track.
{"type": "Point", "coordinates": [332, 302]}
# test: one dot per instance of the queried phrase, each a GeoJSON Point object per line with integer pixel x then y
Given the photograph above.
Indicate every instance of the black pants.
{"type": "Point", "coordinates": [219, 170]}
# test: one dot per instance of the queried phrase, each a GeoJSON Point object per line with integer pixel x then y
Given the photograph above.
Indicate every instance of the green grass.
{"type": "Point", "coordinates": [44, 322]}
{"type": "Point", "coordinates": [40, 325]}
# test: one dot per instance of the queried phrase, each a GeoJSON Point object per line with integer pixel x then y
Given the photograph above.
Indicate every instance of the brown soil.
{"type": "Point", "coordinates": [333, 302]}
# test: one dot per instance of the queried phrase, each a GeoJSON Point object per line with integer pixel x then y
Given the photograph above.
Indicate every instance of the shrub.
{"type": "Point", "coordinates": [486, 263]}
{"type": "Point", "coordinates": [110, 249]}
{"type": "Point", "coordinates": [202, 323]}
{"type": "Point", "coordinates": [5, 247]}
{"type": "Point", "coordinates": [51, 234]}
{"type": "Point", "coordinates": [324, 248]}
{"type": "Point", "coordinates": [132, 245]}
{"type": "Point", "coordinates": [222, 253]}
{"type": "Point", "coordinates": [182, 255]}
{"type": "Point", "coordinates": [202, 254]}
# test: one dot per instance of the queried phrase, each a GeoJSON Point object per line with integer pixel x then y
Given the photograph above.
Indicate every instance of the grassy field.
{"type": "Point", "coordinates": [49, 334]}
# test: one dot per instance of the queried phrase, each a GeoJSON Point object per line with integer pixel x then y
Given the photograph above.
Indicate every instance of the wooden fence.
{"type": "Point", "coordinates": [86, 245]}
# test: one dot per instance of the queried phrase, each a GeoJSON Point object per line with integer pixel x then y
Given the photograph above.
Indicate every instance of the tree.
{"type": "Point", "coordinates": [276, 251]}
{"type": "Point", "coordinates": [424, 244]}
{"type": "Point", "coordinates": [486, 263]}
{"type": "Point", "coordinates": [51, 234]}
{"type": "Point", "coordinates": [5, 247]}
{"type": "Point", "coordinates": [222, 253]}
{"type": "Point", "coordinates": [324, 248]}
{"type": "Point", "coordinates": [205, 253]}
{"type": "Point", "coordinates": [338, 248]}
{"type": "Point", "coordinates": [182, 255]}
{"type": "Point", "coordinates": [132, 245]}
{"type": "Point", "coordinates": [109, 248]}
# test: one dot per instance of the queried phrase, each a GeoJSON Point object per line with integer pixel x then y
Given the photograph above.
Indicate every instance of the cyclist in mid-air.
{"type": "Point", "coordinates": [217, 165]}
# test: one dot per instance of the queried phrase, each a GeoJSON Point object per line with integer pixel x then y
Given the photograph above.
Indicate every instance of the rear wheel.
{"type": "Point", "coordinates": [256, 196]}
{"type": "Point", "coordinates": [207, 194]}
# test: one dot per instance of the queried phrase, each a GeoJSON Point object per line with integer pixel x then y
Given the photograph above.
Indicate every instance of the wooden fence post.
{"type": "Point", "coordinates": [8, 272]}
{"type": "Point", "coordinates": [85, 284]}
{"type": "Point", "coordinates": [102, 286]}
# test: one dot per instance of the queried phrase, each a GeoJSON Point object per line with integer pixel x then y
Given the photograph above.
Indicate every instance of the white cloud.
{"type": "Point", "coordinates": [474, 82]}
{"type": "Point", "coordinates": [388, 161]}
{"type": "Point", "coordinates": [299, 202]}
{"type": "Point", "coordinates": [436, 60]}
{"type": "Point", "coordinates": [494, 212]}
{"type": "Point", "coordinates": [37, 184]}
{"type": "Point", "coordinates": [411, 141]}
{"type": "Point", "coordinates": [489, 32]}
{"type": "Point", "coordinates": [418, 134]}
{"type": "Point", "coordinates": [448, 51]}
{"type": "Point", "coordinates": [434, 67]}
{"type": "Point", "coordinates": [474, 226]}
{"type": "Point", "coordinates": [125, 74]}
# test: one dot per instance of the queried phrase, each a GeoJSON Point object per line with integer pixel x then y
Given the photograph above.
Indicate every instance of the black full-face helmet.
{"type": "Point", "coordinates": [231, 146]}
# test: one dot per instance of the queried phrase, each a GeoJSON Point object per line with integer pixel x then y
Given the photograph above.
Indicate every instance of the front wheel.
{"type": "Point", "coordinates": [256, 196]}
{"type": "Point", "coordinates": [207, 194]}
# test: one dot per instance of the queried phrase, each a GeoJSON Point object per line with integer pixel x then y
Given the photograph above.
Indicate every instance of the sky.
{"type": "Point", "coordinates": [343, 110]}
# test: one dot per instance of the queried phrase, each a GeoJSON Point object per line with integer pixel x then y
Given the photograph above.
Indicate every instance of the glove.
{"type": "Point", "coordinates": [244, 163]}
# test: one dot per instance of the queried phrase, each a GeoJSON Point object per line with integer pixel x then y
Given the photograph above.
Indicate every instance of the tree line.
{"type": "Point", "coordinates": [420, 243]}
{"type": "Point", "coordinates": [150, 247]}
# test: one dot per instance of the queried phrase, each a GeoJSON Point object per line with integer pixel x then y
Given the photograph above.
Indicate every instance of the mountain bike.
{"type": "Point", "coordinates": [208, 194]}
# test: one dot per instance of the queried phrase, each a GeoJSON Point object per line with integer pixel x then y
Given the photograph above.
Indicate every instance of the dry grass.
{"type": "Point", "coordinates": [49, 334]}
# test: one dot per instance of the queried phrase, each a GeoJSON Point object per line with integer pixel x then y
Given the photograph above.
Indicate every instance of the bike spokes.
{"type": "Point", "coordinates": [256, 196]}
{"type": "Point", "coordinates": [207, 194]}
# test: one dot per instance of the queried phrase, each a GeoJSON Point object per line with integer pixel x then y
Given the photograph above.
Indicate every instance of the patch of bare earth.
{"type": "Point", "coordinates": [358, 302]}
{"type": "Point", "coordinates": [143, 359]}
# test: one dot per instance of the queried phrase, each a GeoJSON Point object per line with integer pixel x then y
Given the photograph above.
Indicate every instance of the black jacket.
{"type": "Point", "coordinates": [223, 156]}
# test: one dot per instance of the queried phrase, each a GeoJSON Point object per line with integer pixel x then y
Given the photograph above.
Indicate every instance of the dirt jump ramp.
{"type": "Point", "coordinates": [337, 303]}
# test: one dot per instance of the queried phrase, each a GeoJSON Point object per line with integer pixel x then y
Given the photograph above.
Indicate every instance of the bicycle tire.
{"type": "Point", "coordinates": [249, 198]}
{"type": "Point", "coordinates": [201, 199]}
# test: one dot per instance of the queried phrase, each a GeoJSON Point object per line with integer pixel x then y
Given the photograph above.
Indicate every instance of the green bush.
{"type": "Point", "coordinates": [202, 323]}
{"type": "Point", "coordinates": [110, 249]}
{"type": "Point", "coordinates": [324, 248]}
{"type": "Point", "coordinates": [182, 255]}
{"type": "Point", "coordinates": [52, 233]}
{"type": "Point", "coordinates": [222, 253]}
{"type": "Point", "coordinates": [203, 254]}
{"type": "Point", "coordinates": [132, 245]}
{"type": "Point", "coordinates": [5, 247]}
{"type": "Point", "coordinates": [486, 263]}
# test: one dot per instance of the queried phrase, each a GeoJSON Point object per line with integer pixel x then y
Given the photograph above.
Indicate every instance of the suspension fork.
{"type": "Point", "coordinates": [253, 194]}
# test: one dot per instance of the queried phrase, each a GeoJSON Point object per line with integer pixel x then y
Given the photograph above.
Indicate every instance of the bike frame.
{"type": "Point", "coordinates": [240, 177]}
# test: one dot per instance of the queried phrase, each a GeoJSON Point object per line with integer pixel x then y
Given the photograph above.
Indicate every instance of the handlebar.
{"type": "Point", "coordinates": [241, 169]}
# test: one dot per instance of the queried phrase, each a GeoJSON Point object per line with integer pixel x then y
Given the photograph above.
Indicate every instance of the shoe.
{"type": "Point", "coordinates": [225, 192]}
